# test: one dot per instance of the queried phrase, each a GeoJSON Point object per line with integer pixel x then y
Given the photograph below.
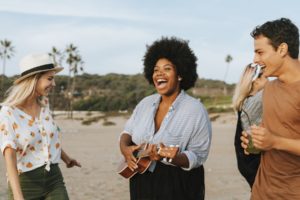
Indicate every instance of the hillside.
{"type": "Point", "coordinates": [114, 92]}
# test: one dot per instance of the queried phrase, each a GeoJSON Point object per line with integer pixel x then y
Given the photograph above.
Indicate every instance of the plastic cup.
{"type": "Point", "coordinates": [251, 149]}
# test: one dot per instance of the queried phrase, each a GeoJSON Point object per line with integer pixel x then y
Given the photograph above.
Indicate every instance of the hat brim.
{"type": "Point", "coordinates": [20, 79]}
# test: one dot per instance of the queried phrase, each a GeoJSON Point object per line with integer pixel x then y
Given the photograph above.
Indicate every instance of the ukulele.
{"type": "Point", "coordinates": [144, 162]}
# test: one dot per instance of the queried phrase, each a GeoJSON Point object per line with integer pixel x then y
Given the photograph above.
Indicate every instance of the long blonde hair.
{"type": "Point", "coordinates": [243, 87]}
{"type": "Point", "coordinates": [19, 93]}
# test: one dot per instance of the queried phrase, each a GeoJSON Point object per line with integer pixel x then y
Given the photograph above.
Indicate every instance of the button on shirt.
{"type": "Point", "coordinates": [186, 124]}
{"type": "Point", "coordinates": [36, 141]}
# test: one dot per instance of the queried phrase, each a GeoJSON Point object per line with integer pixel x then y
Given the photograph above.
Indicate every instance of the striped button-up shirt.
{"type": "Point", "coordinates": [186, 124]}
{"type": "Point", "coordinates": [252, 111]}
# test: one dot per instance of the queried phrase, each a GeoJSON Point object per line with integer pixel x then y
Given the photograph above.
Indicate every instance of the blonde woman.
{"type": "Point", "coordinates": [247, 102]}
{"type": "Point", "coordinates": [29, 138]}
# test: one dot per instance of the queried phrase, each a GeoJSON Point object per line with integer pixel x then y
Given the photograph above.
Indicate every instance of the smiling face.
{"type": "Point", "coordinates": [165, 78]}
{"type": "Point", "coordinates": [266, 56]}
{"type": "Point", "coordinates": [45, 84]}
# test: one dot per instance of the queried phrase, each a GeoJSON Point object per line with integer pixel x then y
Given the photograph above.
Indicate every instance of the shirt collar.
{"type": "Point", "coordinates": [177, 101]}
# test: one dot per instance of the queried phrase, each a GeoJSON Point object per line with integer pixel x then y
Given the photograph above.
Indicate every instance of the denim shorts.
{"type": "Point", "coordinates": [39, 184]}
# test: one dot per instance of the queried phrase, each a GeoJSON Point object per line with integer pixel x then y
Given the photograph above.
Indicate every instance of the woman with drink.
{"type": "Point", "coordinates": [247, 101]}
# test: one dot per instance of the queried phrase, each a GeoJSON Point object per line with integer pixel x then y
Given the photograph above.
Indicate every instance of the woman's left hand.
{"type": "Point", "coordinates": [152, 152]}
{"type": "Point", "coordinates": [72, 162]}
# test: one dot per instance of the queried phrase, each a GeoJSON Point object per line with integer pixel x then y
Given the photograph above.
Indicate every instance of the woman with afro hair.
{"type": "Point", "coordinates": [169, 117]}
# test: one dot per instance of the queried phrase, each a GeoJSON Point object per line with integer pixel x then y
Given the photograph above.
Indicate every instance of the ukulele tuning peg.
{"type": "Point", "coordinates": [167, 160]}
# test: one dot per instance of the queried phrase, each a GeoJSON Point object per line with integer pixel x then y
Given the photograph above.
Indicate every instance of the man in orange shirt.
{"type": "Point", "coordinates": [276, 47]}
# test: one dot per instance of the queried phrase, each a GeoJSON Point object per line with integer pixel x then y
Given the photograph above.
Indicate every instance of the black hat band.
{"type": "Point", "coordinates": [39, 68]}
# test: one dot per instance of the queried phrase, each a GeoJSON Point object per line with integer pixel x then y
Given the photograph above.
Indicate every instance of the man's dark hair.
{"type": "Point", "coordinates": [176, 51]}
{"type": "Point", "coordinates": [280, 31]}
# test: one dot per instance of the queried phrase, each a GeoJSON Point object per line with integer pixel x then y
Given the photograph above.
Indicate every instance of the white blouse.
{"type": "Point", "coordinates": [36, 141]}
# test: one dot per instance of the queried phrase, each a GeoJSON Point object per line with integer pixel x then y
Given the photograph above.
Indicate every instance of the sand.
{"type": "Point", "coordinates": [96, 147]}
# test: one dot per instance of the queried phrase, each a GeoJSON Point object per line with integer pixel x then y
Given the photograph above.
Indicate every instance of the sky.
{"type": "Point", "coordinates": [112, 35]}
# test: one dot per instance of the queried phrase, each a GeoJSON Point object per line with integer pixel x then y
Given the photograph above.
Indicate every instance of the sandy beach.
{"type": "Point", "coordinates": [96, 147]}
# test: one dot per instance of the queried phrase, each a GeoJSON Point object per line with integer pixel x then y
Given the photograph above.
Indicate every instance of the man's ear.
{"type": "Point", "coordinates": [283, 49]}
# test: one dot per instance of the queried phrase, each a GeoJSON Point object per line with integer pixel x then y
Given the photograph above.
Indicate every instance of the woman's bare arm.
{"type": "Point", "coordinates": [13, 177]}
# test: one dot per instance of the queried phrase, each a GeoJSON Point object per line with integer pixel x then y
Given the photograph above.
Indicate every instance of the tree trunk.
{"type": "Point", "coordinates": [72, 95]}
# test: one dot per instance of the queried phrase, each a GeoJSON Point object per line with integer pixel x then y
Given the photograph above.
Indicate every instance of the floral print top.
{"type": "Point", "coordinates": [36, 141]}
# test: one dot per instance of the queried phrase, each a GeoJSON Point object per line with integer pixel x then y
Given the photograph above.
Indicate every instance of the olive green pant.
{"type": "Point", "coordinates": [39, 184]}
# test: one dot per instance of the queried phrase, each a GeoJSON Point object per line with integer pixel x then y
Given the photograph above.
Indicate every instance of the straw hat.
{"type": "Point", "coordinates": [36, 63]}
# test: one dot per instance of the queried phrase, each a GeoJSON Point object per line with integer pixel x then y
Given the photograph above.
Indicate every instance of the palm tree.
{"type": "Point", "coordinates": [228, 60]}
{"type": "Point", "coordinates": [57, 56]}
{"type": "Point", "coordinates": [6, 52]}
{"type": "Point", "coordinates": [71, 50]}
{"type": "Point", "coordinates": [75, 64]}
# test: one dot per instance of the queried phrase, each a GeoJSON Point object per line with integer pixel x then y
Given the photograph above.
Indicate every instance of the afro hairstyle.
{"type": "Point", "coordinates": [176, 51]}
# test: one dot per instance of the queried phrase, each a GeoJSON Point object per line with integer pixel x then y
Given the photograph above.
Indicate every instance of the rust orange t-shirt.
{"type": "Point", "coordinates": [278, 176]}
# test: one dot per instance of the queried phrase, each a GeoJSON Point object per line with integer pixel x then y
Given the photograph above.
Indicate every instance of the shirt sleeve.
{"type": "Point", "coordinates": [199, 143]}
{"type": "Point", "coordinates": [56, 127]}
{"type": "Point", "coordinates": [252, 111]}
{"type": "Point", "coordinates": [7, 134]}
{"type": "Point", "coordinates": [131, 121]}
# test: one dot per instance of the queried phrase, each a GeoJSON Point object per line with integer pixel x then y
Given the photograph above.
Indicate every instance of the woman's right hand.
{"type": "Point", "coordinates": [245, 142]}
{"type": "Point", "coordinates": [131, 160]}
